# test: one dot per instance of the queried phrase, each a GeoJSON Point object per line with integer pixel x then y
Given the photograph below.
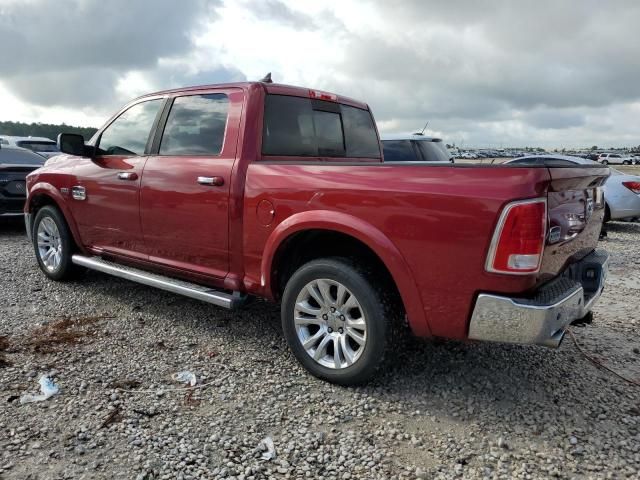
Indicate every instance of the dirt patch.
{"type": "Point", "coordinates": [4, 346]}
{"type": "Point", "coordinates": [50, 338]}
{"type": "Point", "coordinates": [66, 331]}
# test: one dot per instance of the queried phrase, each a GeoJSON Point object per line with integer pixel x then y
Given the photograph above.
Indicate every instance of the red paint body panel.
{"type": "Point", "coordinates": [109, 219]}
{"type": "Point", "coordinates": [186, 224]}
{"type": "Point", "coordinates": [427, 225]}
{"type": "Point", "coordinates": [431, 225]}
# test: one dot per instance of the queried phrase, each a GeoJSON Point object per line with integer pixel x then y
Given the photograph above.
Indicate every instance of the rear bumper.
{"type": "Point", "coordinates": [542, 319]}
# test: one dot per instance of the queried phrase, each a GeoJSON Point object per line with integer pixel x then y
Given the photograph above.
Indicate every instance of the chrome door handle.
{"type": "Point", "coordinates": [215, 181]}
{"type": "Point", "coordinates": [127, 176]}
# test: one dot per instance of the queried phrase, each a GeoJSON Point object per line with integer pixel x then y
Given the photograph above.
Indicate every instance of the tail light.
{"type": "Point", "coordinates": [633, 186]}
{"type": "Point", "coordinates": [519, 239]}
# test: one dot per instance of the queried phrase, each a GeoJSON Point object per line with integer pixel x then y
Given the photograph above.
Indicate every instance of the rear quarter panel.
{"type": "Point", "coordinates": [439, 218]}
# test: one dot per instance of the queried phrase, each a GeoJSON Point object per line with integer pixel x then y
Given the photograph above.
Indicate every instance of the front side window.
{"type": "Point", "coordinates": [128, 134]}
{"type": "Point", "coordinates": [302, 127]}
{"type": "Point", "coordinates": [398, 151]}
{"type": "Point", "coordinates": [196, 125]}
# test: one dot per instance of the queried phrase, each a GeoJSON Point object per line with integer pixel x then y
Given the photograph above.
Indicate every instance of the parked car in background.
{"type": "Point", "coordinates": [414, 148]}
{"type": "Point", "coordinates": [40, 145]}
{"type": "Point", "coordinates": [621, 191]}
{"type": "Point", "coordinates": [614, 159]}
{"type": "Point", "coordinates": [15, 164]}
{"type": "Point", "coordinates": [222, 191]}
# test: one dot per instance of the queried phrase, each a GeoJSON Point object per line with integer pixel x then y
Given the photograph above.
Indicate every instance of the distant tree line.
{"type": "Point", "coordinates": [48, 130]}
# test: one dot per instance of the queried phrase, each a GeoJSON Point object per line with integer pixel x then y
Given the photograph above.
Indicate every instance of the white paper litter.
{"type": "Point", "coordinates": [48, 389]}
{"type": "Point", "coordinates": [268, 449]}
{"type": "Point", "coordinates": [185, 377]}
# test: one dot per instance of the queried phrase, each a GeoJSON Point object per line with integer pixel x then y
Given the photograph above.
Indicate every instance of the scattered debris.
{"type": "Point", "coordinates": [125, 384]}
{"type": "Point", "coordinates": [48, 389]}
{"type": "Point", "coordinates": [189, 400]}
{"type": "Point", "coordinates": [185, 377]}
{"type": "Point", "coordinates": [268, 449]}
{"type": "Point", "coordinates": [144, 413]}
{"type": "Point", "coordinates": [113, 417]}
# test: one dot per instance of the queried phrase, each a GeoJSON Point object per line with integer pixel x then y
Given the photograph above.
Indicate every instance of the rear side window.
{"type": "Point", "coordinates": [399, 151]}
{"type": "Point", "coordinates": [196, 125]}
{"type": "Point", "coordinates": [296, 126]}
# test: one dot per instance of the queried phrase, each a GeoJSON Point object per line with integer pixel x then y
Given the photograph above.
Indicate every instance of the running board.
{"type": "Point", "coordinates": [192, 290]}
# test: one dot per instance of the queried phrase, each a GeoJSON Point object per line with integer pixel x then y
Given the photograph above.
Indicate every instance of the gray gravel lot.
{"type": "Point", "coordinates": [441, 409]}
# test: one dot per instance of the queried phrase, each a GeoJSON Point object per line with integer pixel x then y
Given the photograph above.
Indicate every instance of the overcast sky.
{"type": "Point", "coordinates": [539, 73]}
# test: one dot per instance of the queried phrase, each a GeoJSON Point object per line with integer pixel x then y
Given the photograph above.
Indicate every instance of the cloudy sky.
{"type": "Point", "coordinates": [483, 73]}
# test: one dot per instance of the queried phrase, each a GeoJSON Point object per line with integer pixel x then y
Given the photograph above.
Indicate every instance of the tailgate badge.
{"type": "Point", "coordinates": [554, 234]}
{"type": "Point", "coordinates": [589, 208]}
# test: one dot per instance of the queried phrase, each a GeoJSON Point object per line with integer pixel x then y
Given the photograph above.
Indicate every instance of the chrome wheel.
{"type": "Point", "coordinates": [49, 244]}
{"type": "Point", "coordinates": [330, 323]}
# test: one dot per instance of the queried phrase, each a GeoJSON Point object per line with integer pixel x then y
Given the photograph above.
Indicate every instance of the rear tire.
{"type": "Point", "coordinates": [335, 321]}
{"type": "Point", "coordinates": [605, 162]}
{"type": "Point", "coordinates": [53, 244]}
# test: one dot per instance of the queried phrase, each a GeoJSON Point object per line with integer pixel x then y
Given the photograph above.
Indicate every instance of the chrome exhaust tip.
{"type": "Point", "coordinates": [554, 340]}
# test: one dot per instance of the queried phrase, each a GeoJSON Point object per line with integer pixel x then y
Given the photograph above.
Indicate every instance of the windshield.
{"type": "Point", "coordinates": [433, 151]}
{"type": "Point", "coordinates": [38, 146]}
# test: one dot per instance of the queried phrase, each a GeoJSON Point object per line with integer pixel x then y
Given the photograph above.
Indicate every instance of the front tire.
{"type": "Point", "coordinates": [335, 321]}
{"type": "Point", "coordinates": [53, 244]}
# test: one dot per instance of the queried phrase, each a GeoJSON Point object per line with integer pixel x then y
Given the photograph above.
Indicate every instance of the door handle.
{"type": "Point", "coordinates": [127, 176]}
{"type": "Point", "coordinates": [214, 181]}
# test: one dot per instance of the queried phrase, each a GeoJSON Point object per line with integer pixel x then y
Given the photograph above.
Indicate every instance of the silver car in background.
{"type": "Point", "coordinates": [621, 191]}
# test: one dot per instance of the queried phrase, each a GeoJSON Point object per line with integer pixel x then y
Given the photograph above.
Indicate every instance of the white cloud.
{"type": "Point", "coordinates": [482, 72]}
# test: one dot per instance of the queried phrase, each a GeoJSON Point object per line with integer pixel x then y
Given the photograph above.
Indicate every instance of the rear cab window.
{"type": "Point", "coordinates": [305, 127]}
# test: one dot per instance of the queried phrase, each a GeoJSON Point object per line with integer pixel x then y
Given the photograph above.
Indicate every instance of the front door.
{"type": "Point", "coordinates": [184, 203]}
{"type": "Point", "coordinates": [106, 190]}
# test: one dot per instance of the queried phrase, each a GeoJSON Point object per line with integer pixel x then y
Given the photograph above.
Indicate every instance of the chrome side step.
{"type": "Point", "coordinates": [192, 290]}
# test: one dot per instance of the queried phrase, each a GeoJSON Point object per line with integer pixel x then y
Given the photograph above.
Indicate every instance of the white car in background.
{"type": "Point", "coordinates": [414, 147]}
{"type": "Point", "coordinates": [621, 191]}
{"type": "Point", "coordinates": [614, 159]}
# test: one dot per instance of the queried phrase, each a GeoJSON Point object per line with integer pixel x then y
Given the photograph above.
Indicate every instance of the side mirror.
{"type": "Point", "coordinates": [72, 143]}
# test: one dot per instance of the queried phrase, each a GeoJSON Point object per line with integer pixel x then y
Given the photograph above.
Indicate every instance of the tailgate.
{"type": "Point", "coordinates": [576, 210]}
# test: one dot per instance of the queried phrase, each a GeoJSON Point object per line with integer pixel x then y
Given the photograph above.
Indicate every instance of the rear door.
{"type": "Point", "coordinates": [184, 206]}
{"type": "Point", "coordinates": [106, 190]}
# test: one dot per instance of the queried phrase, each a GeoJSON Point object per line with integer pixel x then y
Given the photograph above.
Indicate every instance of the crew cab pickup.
{"type": "Point", "coordinates": [224, 192]}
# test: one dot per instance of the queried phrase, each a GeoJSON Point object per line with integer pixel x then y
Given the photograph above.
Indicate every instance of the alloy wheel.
{"type": "Point", "coordinates": [330, 323]}
{"type": "Point", "coordinates": [49, 244]}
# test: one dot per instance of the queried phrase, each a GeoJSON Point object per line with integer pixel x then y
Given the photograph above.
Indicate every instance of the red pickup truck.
{"type": "Point", "coordinates": [258, 189]}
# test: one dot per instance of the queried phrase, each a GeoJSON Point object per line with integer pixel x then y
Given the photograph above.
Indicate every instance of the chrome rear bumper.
{"type": "Point", "coordinates": [542, 319]}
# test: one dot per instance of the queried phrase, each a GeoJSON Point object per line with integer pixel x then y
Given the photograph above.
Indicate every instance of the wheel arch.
{"type": "Point", "coordinates": [339, 234]}
{"type": "Point", "coordinates": [43, 194]}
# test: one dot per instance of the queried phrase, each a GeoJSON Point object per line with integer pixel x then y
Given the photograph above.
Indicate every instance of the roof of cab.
{"type": "Point", "coordinates": [274, 88]}
{"type": "Point", "coordinates": [409, 136]}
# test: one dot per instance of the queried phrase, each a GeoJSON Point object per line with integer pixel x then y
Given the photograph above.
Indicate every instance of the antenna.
{"type": "Point", "coordinates": [267, 78]}
{"type": "Point", "coordinates": [422, 132]}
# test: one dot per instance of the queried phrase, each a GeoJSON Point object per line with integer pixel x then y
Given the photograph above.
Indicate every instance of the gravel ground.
{"type": "Point", "coordinates": [440, 410]}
